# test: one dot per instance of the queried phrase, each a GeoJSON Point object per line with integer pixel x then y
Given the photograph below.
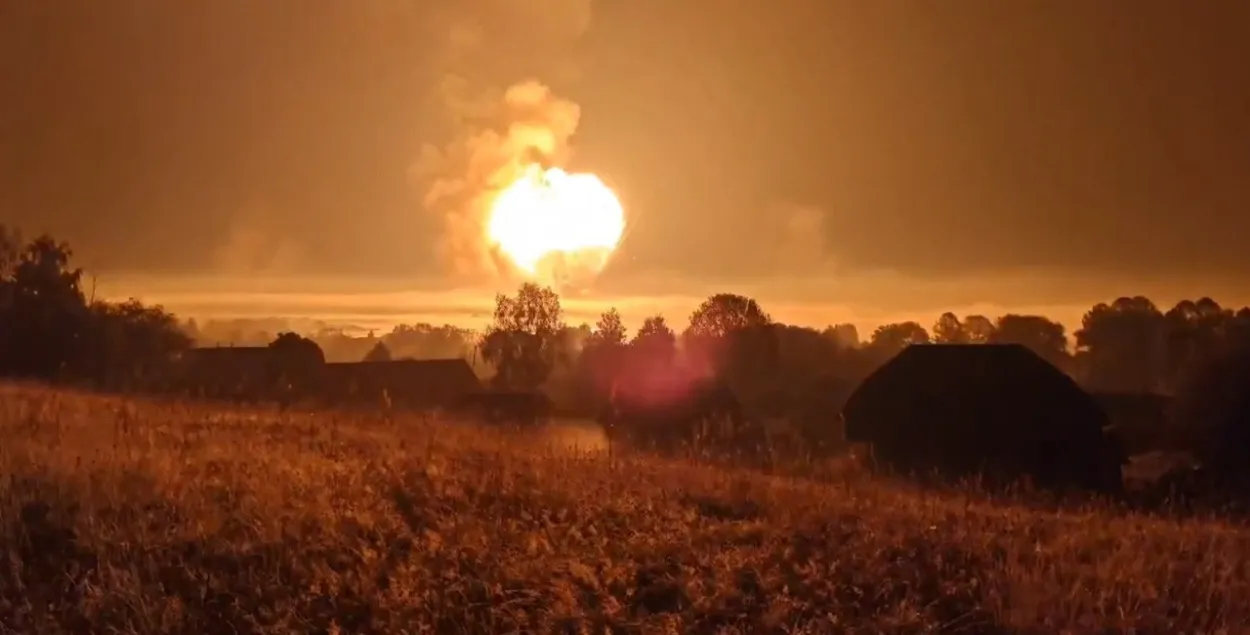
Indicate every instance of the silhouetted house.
{"type": "Point", "coordinates": [416, 384]}
{"type": "Point", "coordinates": [995, 410]}
{"type": "Point", "coordinates": [226, 372]}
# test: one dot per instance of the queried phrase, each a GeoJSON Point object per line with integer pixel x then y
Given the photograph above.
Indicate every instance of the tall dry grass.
{"type": "Point", "coordinates": [129, 516]}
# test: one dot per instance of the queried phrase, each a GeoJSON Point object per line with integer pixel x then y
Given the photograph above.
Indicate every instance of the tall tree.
{"type": "Point", "coordinates": [892, 338]}
{"type": "Point", "coordinates": [425, 340]}
{"type": "Point", "coordinates": [978, 329]}
{"type": "Point", "coordinates": [749, 357]}
{"type": "Point", "coordinates": [706, 340]}
{"type": "Point", "coordinates": [1043, 336]}
{"type": "Point", "coordinates": [726, 312]}
{"type": "Point", "coordinates": [602, 361]}
{"type": "Point", "coordinates": [655, 341]}
{"type": "Point", "coordinates": [1188, 337]}
{"type": "Point", "coordinates": [522, 341]}
{"type": "Point", "coordinates": [297, 365]}
{"type": "Point", "coordinates": [949, 330]}
{"type": "Point", "coordinates": [1125, 342]}
{"type": "Point", "coordinates": [130, 346]}
{"type": "Point", "coordinates": [44, 326]}
{"type": "Point", "coordinates": [610, 329]}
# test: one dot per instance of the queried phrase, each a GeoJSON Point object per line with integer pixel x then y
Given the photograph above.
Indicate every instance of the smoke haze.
{"type": "Point", "coordinates": [503, 117]}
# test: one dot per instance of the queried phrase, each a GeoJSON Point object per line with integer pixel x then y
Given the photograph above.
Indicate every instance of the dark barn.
{"type": "Point", "coordinates": [994, 410]}
{"type": "Point", "coordinates": [410, 384]}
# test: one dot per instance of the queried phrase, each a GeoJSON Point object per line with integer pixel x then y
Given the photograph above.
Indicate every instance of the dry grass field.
{"type": "Point", "coordinates": [126, 516]}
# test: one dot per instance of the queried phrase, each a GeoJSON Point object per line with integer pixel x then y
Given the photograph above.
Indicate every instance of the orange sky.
{"type": "Point", "coordinates": [857, 160]}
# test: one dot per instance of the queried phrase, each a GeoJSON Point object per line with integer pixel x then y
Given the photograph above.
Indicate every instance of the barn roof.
{"type": "Point", "coordinates": [969, 376]}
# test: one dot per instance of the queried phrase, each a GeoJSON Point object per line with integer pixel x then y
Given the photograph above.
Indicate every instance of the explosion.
{"type": "Point", "coordinates": [504, 213]}
{"type": "Point", "coordinates": [554, 225]}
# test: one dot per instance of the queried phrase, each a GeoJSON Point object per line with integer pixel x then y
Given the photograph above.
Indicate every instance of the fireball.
{"type": "Point", "coordinates": [555, 220]}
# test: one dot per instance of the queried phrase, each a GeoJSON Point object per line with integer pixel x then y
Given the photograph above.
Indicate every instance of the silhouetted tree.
{"type": "Point", "coordinates": [1125, 342]}
{"type": "Point", "coordinates": [426, 341]}
{"type": "Point", "coordinates": [297, 367]}
{"type": "Point", "coordinates": [602, 360]}
{"type": "Point", "coordinates": [572, 340]}
{"type": "Point", "coordinates": [1193, 334]}
{"type": "Point", "coordinates": [130, 346]}
{"type": "Point", "coordinates": [889, 339]}
{"type": "Point", "coordinates": [570, 386]}
{"type": "Point", "coordinates": [1043, 336]}
{"type": "Point", "coordinates": [949, 330]}
{"type": "Point", "coordinates": [800, 357]}
{"type": "Point", "coordinates": [296, 347]}
{"type": "Point", "coordinates": [521, 342]}
{"type": "Point", "coordinates": [607, 360]}
{"type": "Point", "coordinates": [725, 312]}
{"type": "Point", "coordinates": [706, 340]}
{"type": "Point", "coordinates": [339, 346]}
{"type": "Point", "coordinates": [749, 359]}
{"type": "Point", "coordinates": [655, 341]}
{"type": "Point", "coordinates": [48, 331]}
{"type": "Point", "coordinates": [978, 329]}
{"type": "Point", "coordinates": [1214, 408]}
{"type": "Point", "coordinates": [609, 330]}
{"type": "Point", "coordinates": [45, 318]}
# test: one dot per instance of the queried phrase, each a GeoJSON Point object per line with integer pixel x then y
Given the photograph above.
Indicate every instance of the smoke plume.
{"type": "Point", "coordinates": [501, 114]}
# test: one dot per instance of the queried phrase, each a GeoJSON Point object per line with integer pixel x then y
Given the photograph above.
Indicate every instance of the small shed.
{"type": "Point", "coordinates": [995, 410]}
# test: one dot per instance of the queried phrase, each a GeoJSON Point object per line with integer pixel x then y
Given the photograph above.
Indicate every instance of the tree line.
{"type": "Point", "coordinates": [404, 341]}
{"type": "Point", "coordinates": [1129, 345]}
{"type": "Point", "coordinates": [51, 329]}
